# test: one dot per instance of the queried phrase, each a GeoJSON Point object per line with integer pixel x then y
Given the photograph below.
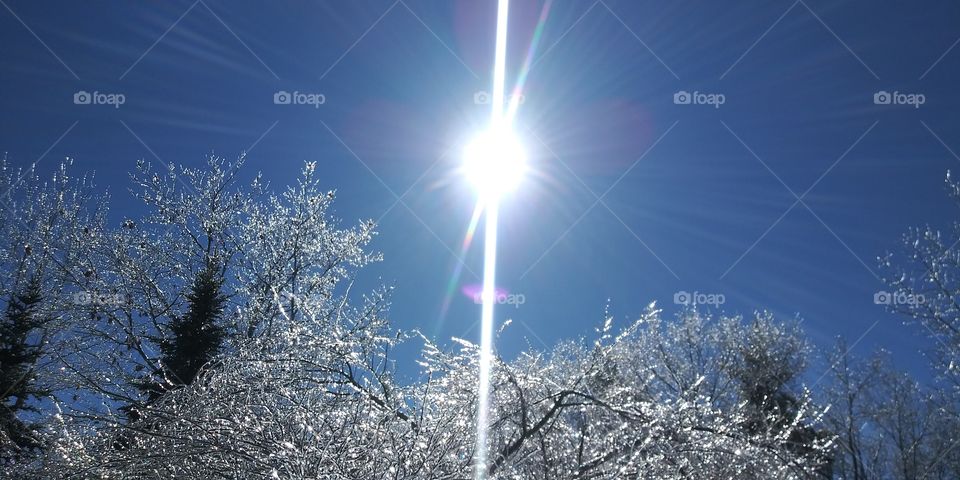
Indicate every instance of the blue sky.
{"type": "Point", "coordinates": [634, 197]}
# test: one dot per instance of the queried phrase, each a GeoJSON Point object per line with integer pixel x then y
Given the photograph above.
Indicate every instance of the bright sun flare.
{"type": "Point", "coordinates": [495, 162]}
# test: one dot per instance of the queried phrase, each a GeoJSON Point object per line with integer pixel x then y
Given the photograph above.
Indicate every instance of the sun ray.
{"type": "Point", "coordinates": [491, 202]}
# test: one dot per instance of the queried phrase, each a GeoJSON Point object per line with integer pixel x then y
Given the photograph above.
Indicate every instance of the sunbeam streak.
{"type": "Point", "coordinates": [486, 333]}
{"type": "Point", "coordinates": [494, 144]}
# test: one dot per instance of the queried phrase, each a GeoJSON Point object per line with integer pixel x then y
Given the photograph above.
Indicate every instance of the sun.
{"type": "Point", "coordinates": [495, 162]}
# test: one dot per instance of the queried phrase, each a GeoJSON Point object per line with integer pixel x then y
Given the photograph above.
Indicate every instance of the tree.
{"type": "Point", "coordinates": [271, 260]}
{"type": "Point", "coordinates": [194, 339]}
{"type": "Point", "coordinates": [772, 356]}
{"type": "Point", "coordinates": [924, 279]}
{"type": "Point", "coordinates": [924, 282]}
{"type": "Point", "coordinates": [888, 425]}
{"type": "Point", "coordinates": [197, 337]}
{"type": "Point", "coordinates": [849, 392]}
{"type": "Point", "coordinates": [157, 272]}
{"type": "Point", "coordinates": [45, 228]}
{"type": "Point", "coordinates": [21, 346]}
{"type": "Point", "coordinates": [905, 416]}
{"type": "Point", "coordinates": [263, 247]}
{"type": "Point", "coordinates": [294, 255]}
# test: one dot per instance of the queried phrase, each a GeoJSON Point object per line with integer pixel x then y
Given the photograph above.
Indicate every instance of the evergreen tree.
{"type": "Point", "coordinates": [197, 336]}
{"type": "Point", "coordinates": [19, 351]}
{"type": "Point", "coordinates": [194, 338]}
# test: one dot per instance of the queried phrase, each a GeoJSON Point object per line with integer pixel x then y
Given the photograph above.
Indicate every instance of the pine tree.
{"type": "Point", "coordinates": [197, 336]}
{"type": "Point", "coordinates": [19, 352]}
{"type": "Point", "coordinates": [195, 339]}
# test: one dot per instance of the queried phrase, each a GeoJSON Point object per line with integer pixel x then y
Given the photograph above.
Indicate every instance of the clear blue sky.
{"type": "Point", "coordinates": [694, 198]}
